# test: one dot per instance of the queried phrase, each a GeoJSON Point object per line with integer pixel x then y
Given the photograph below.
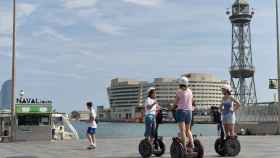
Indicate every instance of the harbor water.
{"type": "Point", "coordinates": [136, 130]}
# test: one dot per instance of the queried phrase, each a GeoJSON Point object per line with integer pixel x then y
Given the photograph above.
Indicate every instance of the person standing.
{"type": "Point", "coordinates": [183, 115]}
{"type": "Point", "coordinates": [61, 132]}
{"type": "Point", "coordinates": [228, 108]}
{"type": "Point", "coordinates": [151, 106]}
{"type": "Point", "coordinates": [91, 131]}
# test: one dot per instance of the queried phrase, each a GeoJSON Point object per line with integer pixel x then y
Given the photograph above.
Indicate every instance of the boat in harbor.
{"type": "Point", "coordinates": [62, 128]}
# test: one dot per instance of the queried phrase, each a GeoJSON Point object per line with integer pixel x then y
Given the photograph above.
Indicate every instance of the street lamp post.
{"type": "Point", "coordinates": [13, 106]}
{"type": "Point", "coordinates": [278, 62]}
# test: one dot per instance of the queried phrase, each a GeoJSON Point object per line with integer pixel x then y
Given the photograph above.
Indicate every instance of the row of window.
{"type": "Point", "coordinates": [208, 101]}
{"type": "Point", "coordinates": [124, 102]}
{"type": "Point", "coordinates": [124, 91]}
{"type": "Point", "coordinates": [125, 105]}
{"type": "Point", "coordinates": [206, 92]}
{"type": "Point", "coordinates": [191, 86]}
{"type": "Point", "coordinates": [124, 87]}
{"type": "Point", "coordinates": [207, 89]}
{"type": "Point", "coordinates": [125, 94]}
{"type": "Point", "coordinates": [169, 93]}
{"type": "Point", "coordinates": [207, 96]}
{"type": "Point", "coordinates": [207, 85]}
{"type": "Point", "coordinates": [125, 116]}
{"type": "Point", "coordinates": [209, 82]}
{"type": "Point", "coordinates": [130, 91]}
{"type": "Point", "coordinates": [166, 89]}
{"type": "Point", "coordinates": [124, 98]}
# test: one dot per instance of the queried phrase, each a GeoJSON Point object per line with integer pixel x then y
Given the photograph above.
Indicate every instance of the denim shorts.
{"type": "Point", "coordinates": [150, 125]}
{"type": "Point", "coordinates": [91, 130]}
{"type": "Point", "coordinates": [183, 116]}
{"type": "Point", "coordinates": [229, 118]}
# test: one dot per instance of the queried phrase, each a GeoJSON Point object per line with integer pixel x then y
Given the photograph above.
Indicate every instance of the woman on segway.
{"type": "Point", "coordinates": [151, 106]}
{"type": "Point", "coordinates": [228, 108]}
{"type": "Point", "coordinates": [183, 115]}
{"type": "Point", "coordinates": [152, 144]}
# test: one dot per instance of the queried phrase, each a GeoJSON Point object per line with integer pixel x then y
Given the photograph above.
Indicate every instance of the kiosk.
{"type": "Point", "coordinates": [33, 121]}
{"type": "Point", "coordinates": [5, 126]}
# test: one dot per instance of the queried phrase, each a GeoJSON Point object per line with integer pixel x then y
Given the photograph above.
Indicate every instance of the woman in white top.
{"type": "Point", "coordinates": [151, 106]}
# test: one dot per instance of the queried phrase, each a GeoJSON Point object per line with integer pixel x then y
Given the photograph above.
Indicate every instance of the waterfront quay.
{"type": "Point", "coordinates": [252, 147]}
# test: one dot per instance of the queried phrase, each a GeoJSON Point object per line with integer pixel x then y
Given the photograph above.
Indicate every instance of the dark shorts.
{"type": "Point", "coordinates": [150, 125]}
{"type": "Point", "coordinates": [183, 116]}
{"type": "Point", "coordinates": [91, 130]}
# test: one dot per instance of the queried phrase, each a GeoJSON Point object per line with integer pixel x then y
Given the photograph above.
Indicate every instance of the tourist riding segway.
{"type": "Point", "coordinates": [157, 148]}
{"type": "Point", "coordinates": [225, 146]}
{"type": "Point", "coordinates": [177, 149]}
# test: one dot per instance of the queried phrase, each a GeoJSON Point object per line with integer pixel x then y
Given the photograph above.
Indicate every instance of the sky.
{"type": "Point", "coordinates": [69, 50]}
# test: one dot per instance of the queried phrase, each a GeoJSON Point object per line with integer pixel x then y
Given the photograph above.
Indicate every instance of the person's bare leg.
{"type": "Point", "coordinates": [226, 130]}
{"type": "Point", "coordinates": [189, 134]}
{"type": "Point", "coordinates": [231, 127]}
{"type": "Point", "coordinates": [150, 139]}
{"type": "Point", "coordinates": [90, 139]}
{"type": "Point", "coordinates": [233, 130]}
{"type": "Point", "coordinates": [93, 139]}
{"type": "Point", "coordinates": [182, 128]}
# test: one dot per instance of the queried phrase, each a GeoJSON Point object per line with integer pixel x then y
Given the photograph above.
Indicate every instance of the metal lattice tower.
{"type": "Point", "coordinates": [242, 70]}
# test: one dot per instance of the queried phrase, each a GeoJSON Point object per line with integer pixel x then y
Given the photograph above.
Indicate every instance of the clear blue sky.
{"type": "Point", "coordinates": [69, 50]}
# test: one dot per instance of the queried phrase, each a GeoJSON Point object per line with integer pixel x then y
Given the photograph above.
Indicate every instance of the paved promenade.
{"type": "Point", "coordinates": [252, 147]}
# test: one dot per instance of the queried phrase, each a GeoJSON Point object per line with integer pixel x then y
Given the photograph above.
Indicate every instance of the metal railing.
{"type": "Point", "coordinates": [260, 112]}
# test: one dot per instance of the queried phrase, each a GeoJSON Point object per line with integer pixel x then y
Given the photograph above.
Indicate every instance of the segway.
{"type": "Point", "coordinates": [157, 148]}
{"type": "Point", "coordinates": [225, 146]}
{"type": "Point", "coordinates": [177, 149]}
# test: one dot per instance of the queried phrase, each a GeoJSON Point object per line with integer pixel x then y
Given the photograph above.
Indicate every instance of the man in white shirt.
{"type": "Point", "coordinates": [91, 131]}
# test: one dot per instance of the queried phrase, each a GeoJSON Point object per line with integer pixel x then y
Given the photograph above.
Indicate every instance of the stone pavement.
{"type": "Point", "coordinates": [252, 147]}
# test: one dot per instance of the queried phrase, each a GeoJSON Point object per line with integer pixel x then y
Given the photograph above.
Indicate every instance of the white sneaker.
{"type": "Point", "coordinates": [94, 146]}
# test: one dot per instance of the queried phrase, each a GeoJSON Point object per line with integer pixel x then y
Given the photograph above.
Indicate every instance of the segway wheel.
{"type": "Point", "coordinates": [219, 147]}
{"type": "Point", "coordinates": [198, 148]}
{"type": "Point", "coordinates": [232, 147]}
{"type": "Point", "coordinates": [145, 148]}
{"type": "Point", "coordinates": [160, 150]}
{"type": "Point", "coordinates": [177, 149]}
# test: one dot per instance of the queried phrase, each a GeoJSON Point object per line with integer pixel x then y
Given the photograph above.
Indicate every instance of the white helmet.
{"type": "Point", "coordinates": [183, 81]}
{"type": "Point", "coordinates": [227, 87]}
{"type": "Point", "coordinates": [150, 89]}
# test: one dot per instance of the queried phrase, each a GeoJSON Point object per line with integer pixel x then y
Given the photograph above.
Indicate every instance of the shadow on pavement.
{"type": "Point", "coordinates": [22, 157]}
{"type": "Point", "coordinates": [131, 157]}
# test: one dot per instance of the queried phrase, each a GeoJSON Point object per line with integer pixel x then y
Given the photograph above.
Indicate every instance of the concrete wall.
{"type": "Point", "coordinates": [261, 128]}
{"type": "Point", "coordinates": [33, 133]}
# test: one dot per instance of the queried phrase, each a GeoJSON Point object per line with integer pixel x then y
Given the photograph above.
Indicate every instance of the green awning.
{"type": "Point", "coordinates": [33, 108]}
